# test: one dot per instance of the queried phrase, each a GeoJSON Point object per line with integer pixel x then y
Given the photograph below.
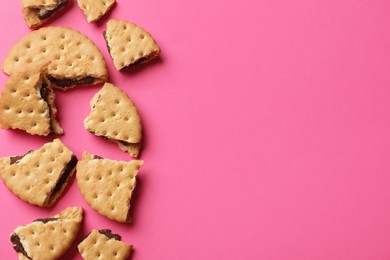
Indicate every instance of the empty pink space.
{"type": "Point", "coordinates": [267, 130]}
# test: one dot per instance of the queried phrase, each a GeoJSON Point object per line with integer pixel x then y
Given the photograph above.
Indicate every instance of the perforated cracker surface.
{"type": "Point", "coordinates": [39, 3]}
{"type": "Point", "coordinates": [71, 55]}
{"type": "Point", "coordinates": [52, 239]}
{"type": "Point", "coordinates": [35, 176]}
{"type": "Point", "coordinates": [95, 9]}
{"type": "Point", "coordinates": [22, 106]}
{"type": "Point", "coordinates": [107, 185]}
{"type": "Point", "coordinates": [97, 245]}
{"type": "Point", "coordinates": [129, 44]}
{"type": "Point", "coordinates": [114, 116]}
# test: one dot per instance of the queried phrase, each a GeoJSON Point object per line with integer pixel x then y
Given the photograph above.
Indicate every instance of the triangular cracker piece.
{"type": "Point", "coordinates": [72, 57]}
{"type": "Point", "coordinates": [95, 9]}
{"type": "Point", "coordinates": [107, 185]}
{"type": "Point", "coordinates": [129, 44]}
{"type": "Point", "coordinates": [38, 12]}
{"type": "Point", "coordinates": [39, 177]}
{"type": "Point", "coordinates": [104, 244]}
{"type": "Point", "coordinates": [114, 116]}
{"type": "Point", "coordinates": [27, 103]}
{"type": "Point", "coordinates": [48, 238]}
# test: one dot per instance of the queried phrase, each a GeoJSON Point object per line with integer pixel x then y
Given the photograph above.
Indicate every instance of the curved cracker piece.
{"type": "Point", "coordinates": [38, 12]}
{"type": "Point", "coordinates": [115, 117]}
{"type": "Point", "coordinates": [74, 58]}
{"type": "Point", "coordinates": [39, 177]}
{"type": "Point", "coordinates": [107, 185]}
{"type": "Point", "coordinates": [27, 103]}
{"type": "Point", "coordinates": [129, 44]}
{"type": "Point", "coordinates": [105, 244]}
{"type": "Point", "coordinates": [95, 9]}
{"type": "Point", "coordinates": [48, 238]}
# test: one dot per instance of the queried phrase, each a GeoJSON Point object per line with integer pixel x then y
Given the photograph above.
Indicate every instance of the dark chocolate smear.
{"type": "Point", "coordinates": [44, 13]}
{"type": "Point", "coordinates": [108, 46]}
{"type": "Point", "coordinates": [45, 220]}
{"type": "Point", "coordinates": [97, 157]}
{"type": "Point", "coordinates": [16, 159]}
{"type": "Point", "coordinates": [15, 240]}
{"type": "Point", "coordinates": [65, 175]}
{"type": "Point", "coordinates": [109, 234]}
{"type": "Point", "coordinates": [139, 61]}
{"type": "Point", "coordinates": [67, 83]}
{"type": "Point", "coordinates": [45, 91]}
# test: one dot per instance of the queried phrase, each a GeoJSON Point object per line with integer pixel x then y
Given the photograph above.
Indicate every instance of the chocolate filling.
{"type": "Point", "coordinates": [45, 220]}
{"type": "Point", "coordinates": [44, 13]}
{"type": "Point", "coordinates": [108, 46]}
{"type": "Point", "coordinates": [65, 176]}
{"type": "Point", "coordinates": [16, 159]}
{"type": "Point", "coordinates": [15, 240]}
{"type": "Point", "coordinates": [109, 234]}
{"type": "Point", "coordinates": [45, 92]}
{"type": "Point", "coordinates": [97, 157]}
{"type": "Point", "coordinates": [67, 83]}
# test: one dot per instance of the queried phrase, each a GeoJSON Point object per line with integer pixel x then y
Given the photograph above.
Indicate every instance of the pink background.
{"type": "Point", "coordinates": [267, 127]}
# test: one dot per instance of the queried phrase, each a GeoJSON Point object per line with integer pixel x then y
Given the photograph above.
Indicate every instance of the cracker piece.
{"type": "Point", "coordinates": [129, 44]}
{"type": "Point", "coordinates": [38, 12]}
{"type": "Point", "coordinates": [107, 185]}
{"type": "Point", "coordinates": [39, 177]}
{"type": "Point", "coordinates": [48, 238]}
{"type": "Point", "coordinates": [115, 117]}
{"type": "Point", "coordinates": [104, 244]}
{"type": "Point", "coordinates": [74, 58]}
{"type": "Point", "coordinates": [27, 103]}
{"type": "Point", "coordinates": [95, 9]}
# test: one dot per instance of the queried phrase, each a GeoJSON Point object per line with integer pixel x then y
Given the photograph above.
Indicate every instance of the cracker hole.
{"type": "Point", "coordinates": [123, 49]}
{"type": "Point", "coordinates": [128, 39]}
{"type": "Point", "coordinates": [124, 27]}
{"type": "Point", "coordinates": [112, 208]}
{"type": "Point", "coordinates": [7, 108]}
{"type": "Point", "coordinates": [43, 50]}
{"type": "Point", "coordinates": [142, 36]}
{"type": "Point", "coordinates": [47, 181]}
{"type": "Point", "coordinates": [113, 114]}
{"type": "Point", "coordinates": [13, 90]}
{"type": "Point", "coordinates": [62, 36]}
{"type": "Point", "coordinates": [62, 47]}
{"type": "Point", "coordinates": [28, 45]}
{"type": "Point", "coordinates": [43, 37]}
{"type": "Point", "coordinates": [37, 244]}
{"type": "Point", "coordinates": [102, 119]}
{"type": "Point", "coordinates": [117, 101]}
{"type": "Point", "coordinates": [141, 53]}
{"type": "Point", "coordinates": [87, 178]}
{"type": "Point", "coordinates": [16, 59]}
{"type": "Point", "coordinates": [27, 94]}
{"type": "Point", "coordinates": [29, 60]}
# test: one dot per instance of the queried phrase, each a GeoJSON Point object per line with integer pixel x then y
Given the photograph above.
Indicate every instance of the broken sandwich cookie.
{"type": "Point", "coordinates": [47, 238]}
{"type": "Point", "coordinates": [27, 103]}
{"type": "Point", "coordinates": [129, 44]}
{"type": "Point", "coordinates": [38, 12]}
{"type": "Point", "coordinates": [107, 185]}
{"type": "Point", "coordinates": [105, 244]}
{"type": "Point", "coordinates": [39, 177]}
{"type": "Point", "coordinates": [115, 117]}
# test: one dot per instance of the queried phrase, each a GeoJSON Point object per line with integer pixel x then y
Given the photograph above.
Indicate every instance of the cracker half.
{"type": "Point", "coordinates": [48, 238]}
{"type": "Point", "coordinates": [72, 57]}
{"type": "Point", "coordinates": [105, 244]}
{"type": "Point", "coordinates": [27, 103]}
{"type": "Point", "coordinates": [129, 44]}
{"type": "Point", "coordinates": [107, 185]}
{"type": "Point", "coordinates": [115, 117]}
{"type": "Point", "coordinates": [95, 9]}
{"type": "Point", "coordinates": [38, 12]}
{"type": "Point", "coordinates": [39, 177]}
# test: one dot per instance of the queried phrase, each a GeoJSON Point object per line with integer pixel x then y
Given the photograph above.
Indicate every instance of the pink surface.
{"type": "Point", "coordinates": [267, 128]}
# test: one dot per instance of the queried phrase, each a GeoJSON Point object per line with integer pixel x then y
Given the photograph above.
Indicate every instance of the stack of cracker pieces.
{"type": "Point", "coordinates": [60, 58]}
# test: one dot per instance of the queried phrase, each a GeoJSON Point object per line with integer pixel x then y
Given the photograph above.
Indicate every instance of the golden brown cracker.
{"type": "Point", "coordinates": [107, 185]}
{"type": "Point", "coordinates": [39, 177]}
{"type": "Point", "coordinates": [114, 116]}
{"type": "Point", "coordinates": [129, 44]}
